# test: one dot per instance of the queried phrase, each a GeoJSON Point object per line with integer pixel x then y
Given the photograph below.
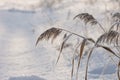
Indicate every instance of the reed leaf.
{"type": "Point", "coordinates": [87, 18]}
{"type": "Point", "coordinates": [118, 71]}
{"type": "Point", "coordinates": [72, 71]}
{"type": "Point", "coordinates": [111, 37]}
{"type": "Point", "coordinates": [80, 56]}
{"type": "Point", "coordinates": [50, 33]}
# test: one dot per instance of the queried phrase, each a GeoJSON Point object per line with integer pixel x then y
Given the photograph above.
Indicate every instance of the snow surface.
{"type": "Point", "coordinates": [20, 26]}
{"type": "Point", "coordinates": [27, 78]}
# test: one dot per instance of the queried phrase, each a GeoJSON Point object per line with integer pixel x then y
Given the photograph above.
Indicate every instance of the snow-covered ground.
{"type": "Point", "coordinates": [21, 22]}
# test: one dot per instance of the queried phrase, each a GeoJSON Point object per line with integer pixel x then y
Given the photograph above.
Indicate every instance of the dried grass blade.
{"type": "Point", "coordinates": [80, 56]}
{"type": "Point", "coordinates": [114, 25]}
{"type": "Point", "coordinates": [102, 38]}
{"type": "Point", "coordinates": [37, 41]}
{"type": "Point", "coordinates": [108, 49]}
{"type": "Point", "coordinates": [112, 35]}
{"type": "Point", "coordinates": [116, 16]}
{"type": "Point", "coordinates": [62, 46]}
{"type": "Point", "coordinates": [81, 16]}
{"type": "Point", "coordinates": [118, 73]}
{"type": "Point", "coordinates": [55, 35]}
{"type": "Point", "coordinates": [50, 33]}
{"type": "Point", "coordinates": [72, 67]}
{"type": "Point", "coordinates": [88, 18]}
{"type": "Point", "coordinates": [46, 34]}
{"type": "Point", "coordinates": [86, 75]}
{"type": "Point", "coordinates": [74, 59]}
{"type": "Point", "coordinates": [117, 39]}
{"type": "Point", "coordinates": [90, 39]}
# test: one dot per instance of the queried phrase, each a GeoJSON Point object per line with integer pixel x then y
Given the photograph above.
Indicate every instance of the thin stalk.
{"type": "Point", "coordinates": [89, 39]}
{"type": "Point", "coordinates": [86, 72]}
{"type": "Point", "coordinates": [101, 27]}
{"type": "Point", "coordinates": [73, 33]}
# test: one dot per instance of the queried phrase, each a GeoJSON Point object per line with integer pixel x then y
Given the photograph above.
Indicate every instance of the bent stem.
{"type": "Point", "coordinates": [72, 33]}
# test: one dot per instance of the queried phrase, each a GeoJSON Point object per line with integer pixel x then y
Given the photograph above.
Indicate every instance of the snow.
{"type": "Point", "coordinates": [20, 26]}
{"type": "Point", "coordinates": [27, 78]}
